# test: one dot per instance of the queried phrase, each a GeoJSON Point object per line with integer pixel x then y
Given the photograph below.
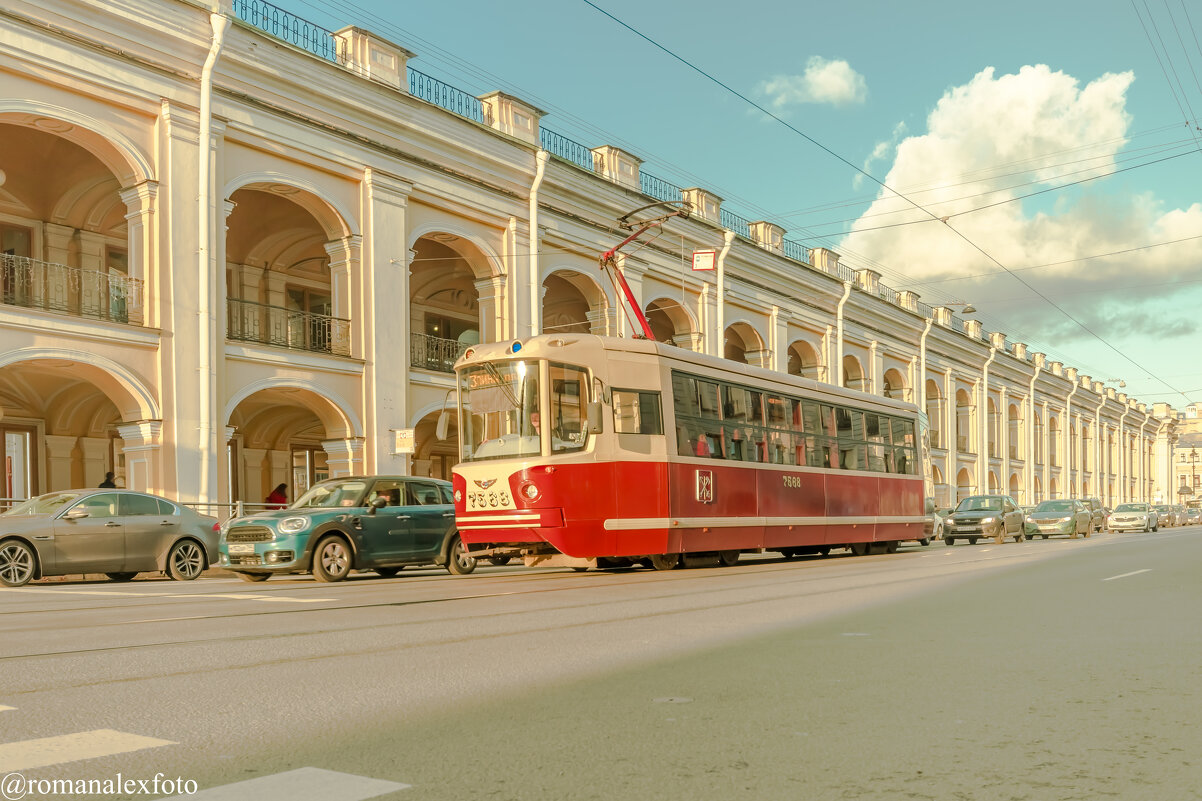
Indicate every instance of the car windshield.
{"type": "Point", "coordinates": [332, 494]}
{"type": "Point", "coordinates": [43, 504]}
{"type": "Point", "coordinates": [1055, 506]}
{"type": "Point", "coordinates": [1132, 507]}
{"type": "Point", "coordinates": [980, 505]}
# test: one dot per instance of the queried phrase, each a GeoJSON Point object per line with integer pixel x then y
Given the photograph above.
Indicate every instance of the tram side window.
{"type": "Point", "coordinates": [742, 405]}
{"type": "Point", "coordinates": [569, 393]}
{"type": "Point", "coordinates": [637, 412]}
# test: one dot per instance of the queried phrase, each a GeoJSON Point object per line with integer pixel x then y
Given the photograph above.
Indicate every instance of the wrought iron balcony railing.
{"type": "Point", "coordinates": [58, 288]}
{"type": "Point", "coordinates": [247, 321]}
{"type": "Point", "coordinates": [290, 28]}
{"type": "Point", "coordinates": [434, 353]}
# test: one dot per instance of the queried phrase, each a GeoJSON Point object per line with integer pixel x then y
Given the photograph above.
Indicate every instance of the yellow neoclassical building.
{"type": "Point", "coordinates": [239, 250]}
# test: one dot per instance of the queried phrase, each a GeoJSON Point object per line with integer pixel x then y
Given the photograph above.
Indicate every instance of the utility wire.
{"type": "Point", "coordinates": [883, 185]}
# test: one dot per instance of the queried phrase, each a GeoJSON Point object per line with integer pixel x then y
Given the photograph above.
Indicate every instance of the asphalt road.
{"type": "Point", "coordinates": [1055, 669]}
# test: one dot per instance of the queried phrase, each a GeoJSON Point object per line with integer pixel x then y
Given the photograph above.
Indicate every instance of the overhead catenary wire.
{"type": "Point", "coordinates": [475, 71]}
{"type": "Point", "coordinates": [876, 180]}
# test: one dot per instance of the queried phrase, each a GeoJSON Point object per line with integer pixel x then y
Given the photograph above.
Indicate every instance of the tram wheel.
{"type": "Point", "coordinates": [728, 558]}
{"type": "Point", "coordinates": [891, 546]}
{"type": "Point", "coordinates": [858, 548]}
{"type": "Point", "coordinates": [664, 561]}
{"type": "Point", "coordinates": [788, 553]}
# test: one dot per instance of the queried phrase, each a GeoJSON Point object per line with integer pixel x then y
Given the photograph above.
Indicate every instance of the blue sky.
{"type": "Point", "coordinates": [972, 105]}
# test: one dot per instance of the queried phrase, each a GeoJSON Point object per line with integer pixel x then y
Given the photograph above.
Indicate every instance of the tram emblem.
{"type": "Point", "coordinates": [486, 483]}
{"type": "Point", "coordinates": [705, 486]}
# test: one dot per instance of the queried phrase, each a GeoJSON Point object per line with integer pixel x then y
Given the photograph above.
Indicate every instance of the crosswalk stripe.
{"type": "Point", "coordinates": [302, 784]}
{"type": "Point", "coordinates": [46, 751]}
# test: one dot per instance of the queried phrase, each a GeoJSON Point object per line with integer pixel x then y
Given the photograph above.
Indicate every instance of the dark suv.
{"type": "Point", "coordinates": [977, 516]}
{"type": "Point", "coordinates": [1097, 513]}
{"type": "Point", "coordinates": [380, 523]}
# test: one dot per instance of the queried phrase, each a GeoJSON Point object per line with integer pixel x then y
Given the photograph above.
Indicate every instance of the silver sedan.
{"type": "Point", "coordinates": [116, 532]}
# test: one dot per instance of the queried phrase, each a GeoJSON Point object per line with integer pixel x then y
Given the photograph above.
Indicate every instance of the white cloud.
{"type": "Point", "coordinates": [979, 137]}
{"type": "Point", "coordinates": [879, 153]}
{"type": "Point", "coordinates": [823, 81]}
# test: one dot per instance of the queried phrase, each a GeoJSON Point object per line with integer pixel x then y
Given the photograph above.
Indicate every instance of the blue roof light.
{"type": "Point", "coordinates": [515, 347]}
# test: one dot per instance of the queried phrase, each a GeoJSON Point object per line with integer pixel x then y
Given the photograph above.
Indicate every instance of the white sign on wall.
{"type": "Point", "coordinates": [404, 441]}
{"type": "Point", "coordinates": [705, 260]}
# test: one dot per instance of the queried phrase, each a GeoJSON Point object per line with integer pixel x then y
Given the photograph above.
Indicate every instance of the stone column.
{"type": "Point", "coordinates": [760, 358]}
{"type": "Point", "coordinates": [59, 460]}
{"type": "Point", "coordinates": [1003, 436]}
{"type": "Point", "coordinates": [385, 318]}
{"type": "Point", "coordinates": [58, 244]}
{"type": "Point", "coordinates": [490, 293]}
{"type": "Point", "coordinates": [778, 340]}
{"type": "Point", "coordinates": [281, 471]}
{"type": "Point", "coordinates": [95, 461]}
{"type": "Point", "coordinates": [143, 455]}
{"type": "Point", "coordinates": [140, 202]}
{"type": "Point", "coordinates": [694, 341]}
{"type": "Point", "coordinates": [255, 478]}
{"type": "Point", "coordinates": [345, 256]}
{"type": "Point", "coordinates": [345, 457]}
{"type": "Point", "coordinates": [876, 368]}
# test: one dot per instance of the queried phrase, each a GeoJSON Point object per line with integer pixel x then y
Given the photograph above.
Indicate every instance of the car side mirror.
{"type": "Point", "coordinates": [595, 421]}
{"type": "Point", "coordinates": [77, 514]}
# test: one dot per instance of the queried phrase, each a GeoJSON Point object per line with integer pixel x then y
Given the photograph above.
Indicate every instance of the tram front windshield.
{"type": "Point", "coordinates": [499, 410]}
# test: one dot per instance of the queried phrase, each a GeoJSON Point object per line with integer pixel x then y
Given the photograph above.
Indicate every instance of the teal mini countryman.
{"type": "Point", "coordinates": [380, 523]}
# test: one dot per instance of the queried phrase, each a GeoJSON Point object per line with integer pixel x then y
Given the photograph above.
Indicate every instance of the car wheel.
{"type": "Point", "coordinates": [972, 540]}
{"type": "Point", "coordinates": [1156, 527]}
{"type": "Point", "coordinates": [254, 576]}
{"type": "Point", "coordinates": [18, 563]}
{"type": "Point", "coordinates": [728, 558]}
{"type": "Point", "coordinates": [1020, 536]}
{"type": "Point", "coordinates": [499, 561]}
{"type": "Point", "coordinates": [186, 561]}
{"type": "Point", "coordinates": [925, 541]}
{"type": "Point", "coordinates": [949, 541]}
{"type": "Point", "coordinates": [121, 576]}
{"type": "Point", "coordinates": [331, 559]}
{"type": "Point", "coordinates": [388, 572]}
{"type": "Point", "coordinates": [458, 561]}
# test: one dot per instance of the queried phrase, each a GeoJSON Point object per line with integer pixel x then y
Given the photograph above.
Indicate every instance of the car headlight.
{"type": "Point", "coordinates": [985, 520]}
{"type": "Point", "coordinates": [293, 525]}
{"type": "Point", "coordinates": [1066, 520]}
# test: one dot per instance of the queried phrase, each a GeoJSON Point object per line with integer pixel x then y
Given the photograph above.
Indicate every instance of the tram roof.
{"type": "Point", "coordinates": [550, 346]}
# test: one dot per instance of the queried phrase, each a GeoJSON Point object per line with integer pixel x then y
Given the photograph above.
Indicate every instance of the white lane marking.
{"type": "Point", "coordinates": [115, 593]}
{"type": "Point", "coordinates": [1132, 573]}
{"type": "Point", "coordinates": [7, 708]}
{"type": "Point", "coordinates": [46, 751]}
{"type": "Point", "coordinates": [302, 784]}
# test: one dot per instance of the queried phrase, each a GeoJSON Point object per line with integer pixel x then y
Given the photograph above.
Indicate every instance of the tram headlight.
{"type": "Point", "coordinates": [529, 490]}
{"type": "Point", "coordinates": [458, 496]}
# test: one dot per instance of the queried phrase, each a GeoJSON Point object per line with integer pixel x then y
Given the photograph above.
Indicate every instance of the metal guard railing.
{"type": "Point", "coordinates": [248, 321]}
{"type": "Point", "coordinates": [567, 149]}
{"type": "Point", "coordinates": [290, 28]}
{"type": "Point", "coordinates": [434, 353]}
{"type": "Point", "coordinates": [444, 95]}
{"type": "Point", "coordinates": [97, 295]}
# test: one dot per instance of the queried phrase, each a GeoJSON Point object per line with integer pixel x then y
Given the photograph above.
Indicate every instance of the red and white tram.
{"type": "Point", "coordinates": [582, 451]}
